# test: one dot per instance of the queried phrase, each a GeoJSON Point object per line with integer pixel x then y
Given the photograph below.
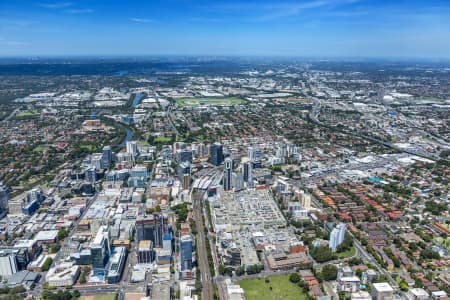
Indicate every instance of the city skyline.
{"type": "Point", "coordinates": [328, 28]}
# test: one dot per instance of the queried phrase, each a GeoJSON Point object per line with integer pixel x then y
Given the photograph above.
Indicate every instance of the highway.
{"type": "Point", "coordinates": [208, 289]}
{"type": "Point", "coordinates": [12, 114]}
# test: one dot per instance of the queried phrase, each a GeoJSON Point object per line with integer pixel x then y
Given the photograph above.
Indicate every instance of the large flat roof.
{"type": "Point", "coordinates": [46, 235]}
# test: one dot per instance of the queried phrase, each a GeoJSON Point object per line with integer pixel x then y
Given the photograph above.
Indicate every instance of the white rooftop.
{"type": "Point", "coordinates": [383, 287]}
{"type": "Point", "coordinates": [46, 235]}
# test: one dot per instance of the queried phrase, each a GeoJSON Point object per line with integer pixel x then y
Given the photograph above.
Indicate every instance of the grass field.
{"type": "Point", "coordinates": [349, 253]}
{"type": "Point", "coordinates": [26, 114]}
{"type": "Point", "coordinates": [211, 101]}
{"type": "Point", "coordinates": [282, 288]}
{"type": "Point", "coordinates": [99, 297]}
{"type": "Point", "coordinates": [87, 147]}
{"type": "Point", "coordinates": [39, 149]}
{"type": "Point", "coordinates": [162, 139]}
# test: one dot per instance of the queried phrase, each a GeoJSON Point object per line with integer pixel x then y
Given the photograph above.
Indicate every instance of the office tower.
{"type": "Point", "coordinates": [178, 146]}
{"type": "Point", "coordinates": [151, 227]}
{"type": "Point", "coordinates": [246, 169]}
{"type": "Point", "coordinates": [8, 263]}
{"type": "Point", "coordinates": [140, 171]}
{"type": "Point", "coordinates": [306, 200]}
{"type": "Point", "coordinates": [116, 264]}
{"type": "Point", "coordinates": [337, 236]}
{"type": "Point", "coordinates": [183, 168]}
{"type": "Point", "coordinates": [227, 172]}
{"type": "Point", "coordinates": [186, 181]}
{"type": "Point", "coordinates": [90, 175]}
{"type": "Point", "coordinates": [186, 247]}
{"type": "Point", "coordinates": [107, 155]}
{"type": "Point", "coordinates": [35, 195]}
{"type": "Point", "coordinates": [216, 154]}
{"type": "Point", "coordinates": [167, 242]}
{"type": "Point", "coordinates": [132, 148]}
{"type": "Point", "coordinates": [166, 153]}
{"type": "Point", "coordinates": [97, 161]}
{"type": "Point", "coordinates": [145, 252]}
{"type": "Point", "coordinates": [291, 149]}
{"type": "Point", "coordinates": [184, 155]}
{"type": "Point", "coordinates": [281, 152]}
{"type": "Point", "coordinates": [237, 181]}
{"type": "Point", "coordinates": [255, 155]}
{"type": "Point", "coordinates": [100, 248]}
{"type": "Point", "coordinates": [201, 150]}
{"type": "Point", "coordinates": [4, 197]}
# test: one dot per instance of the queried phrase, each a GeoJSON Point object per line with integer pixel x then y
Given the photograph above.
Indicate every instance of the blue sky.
{"type": "Point", "coordinates": [337, 28]}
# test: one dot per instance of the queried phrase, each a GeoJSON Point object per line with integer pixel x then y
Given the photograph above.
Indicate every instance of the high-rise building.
{"type": "Point", "coordinates": [200, 150]}
{"type": "Point", "coordinates": [151, 227]}
{"type": "Point", "coordinates": [306, 200]}
{"type": "Point", "coordinates": [4, 197]}
{"type": "Point", "coordinates": [97, 161]}
{"type": "Point", "coordinates": [167, 242]}
{"type": "Point", "coordinates": [145, 252]}
{"type": "Point", "coordinates": [140, 171]}
{"type": "Point", "coordinates": [35, 195]}
{"type": "Point", "coordinates": [116, 264]}
{"type": "Point", "coordinates": [184, 155]}
{"type": "Point", "coordinates": [183, 168]}
{"type": "Point", "coordinates": [186, 248]}
{"type": "Point", "coordinates": [255, 155]}
{"type": "Point", "coordinates": [186, 182]}
{"type": "Point", "coordinates": [227, 173]}
{"type": "Point", "coordinates": [132, 148]}
{"type": "Point", "coordinates": [216, 154]}
{"type": "Point", "coordinates": [178, 146]}
{"type": "Point", "coordinates": [337, 236]}
{"type": "Point", "coordinates": [246, 169]}
{"type": "Point", "coordinates": [237, 181]}
{"type": "Point", "coordinates": [107, 155]}
{"type": "Point", "coordinates": [100, 248]}
{"type": "Point", "coordinates": [90, 174]}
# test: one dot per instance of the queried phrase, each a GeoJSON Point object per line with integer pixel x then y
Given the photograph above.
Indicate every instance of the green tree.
{"type": "Point", "coordinates": [329, 272]}
{"type": "Point", "coordinates": [294, 278]}
{"type": "Point", "coordinates": [47, 263]}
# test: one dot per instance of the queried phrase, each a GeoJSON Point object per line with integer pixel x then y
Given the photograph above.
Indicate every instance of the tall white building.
{"type": "Point", "coordinates": [132, 148]}
{"type": "Point", "coordinates": [304, 198]}
{"type": "Point", "coordinates": [337, 236]}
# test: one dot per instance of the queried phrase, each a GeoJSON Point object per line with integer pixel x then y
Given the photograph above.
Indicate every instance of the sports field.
{"type": "Point", "coordinates": [27, 114]}
{"type": "Point", "coordinates": [278, 287]}
{"type": "Point", "coordinates": [210, 101]}
{"type": "Point", "coordinates": [111, 296]}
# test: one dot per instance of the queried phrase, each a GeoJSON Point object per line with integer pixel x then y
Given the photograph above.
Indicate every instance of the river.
{"type": "Point", "coordinates": [137, 99]}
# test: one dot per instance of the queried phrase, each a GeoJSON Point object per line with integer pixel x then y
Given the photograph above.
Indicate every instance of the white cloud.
{"type": "Point", "coordinates": [56, 5]}
{"type": "Point", "coordinates": [5, 42]}
{"type": "Point", "coordinates": [79, 11]}
{"type": "Point", "coordinates": [140, 20]}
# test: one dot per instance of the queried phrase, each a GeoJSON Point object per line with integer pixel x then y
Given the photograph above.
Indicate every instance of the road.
{"type": "Point", "coordinates": [330, 290]}
{"type": "Point", "coordinates": [365, 255]}
{"type": "Point", "coordinates": [208, 289]}
{"type": "Point", "coordinates": [12, 114]}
